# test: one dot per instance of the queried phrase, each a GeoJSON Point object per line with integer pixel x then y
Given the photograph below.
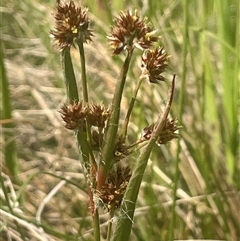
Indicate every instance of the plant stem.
{"type": "Point", "coordinates": [112, 127]}
{"type": "Point", "coordinates": [85, 92]}
{"type": "Point", "coordinates": [97, 235]}
{"type": "Point", "coordinates": [69, 76]}
{"type": "Point", "coordinates": [181, 102]}
{"type": "Point", "coordinates": [83, 71]}
{"type": "Point", "coordinates": [10, 151]}
{"type": "Point", "coordinates": [126, 121]}
{"type": "Point", "coordinates": [88, 161]}
{"type": "Point", "coordinates": [124, 225]}
{"type": "Point", "coordinates": [110, 225]}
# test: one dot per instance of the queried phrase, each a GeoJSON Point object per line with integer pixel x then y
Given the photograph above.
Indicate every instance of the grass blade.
{"type": "Point", "coordinates": [69, 76]}
{"type": "Point", "coordinates": [10, 151]}
{"type": "Point", "coordinates": [124, 225]}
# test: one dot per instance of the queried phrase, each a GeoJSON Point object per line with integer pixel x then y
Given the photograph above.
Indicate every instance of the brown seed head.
{"type": "Point", "coordinates": [73, 115]}
{"type": "Point", "coordinates": [97, 115]}
{"type": "Point", "coordinates": [167, 134]}
{"type": "Point", "coordinates": [154, 63]}
{"type": "Point", "coordinates": [72, 24]}
{"type": "Point", "coordinates": [121, 150]}
{"type": "Point", "coordinates": [130, 31]}
{"type": "Point", "coordinates": [112, 192]}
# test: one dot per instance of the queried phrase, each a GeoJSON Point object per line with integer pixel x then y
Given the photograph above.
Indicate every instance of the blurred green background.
{"type": "Point", "coordinates": [202, 38]}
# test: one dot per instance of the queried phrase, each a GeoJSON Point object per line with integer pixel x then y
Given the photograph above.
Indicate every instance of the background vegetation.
{"type": "Point", "coordinates": [46, 198]}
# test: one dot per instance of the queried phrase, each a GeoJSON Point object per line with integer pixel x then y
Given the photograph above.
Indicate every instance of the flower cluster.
{"type": "Point", "coordinates": [167, 134]}
{"type": "Point", "coordinates": [73, 115]}
{"type": "Point", "coordinates": [96, 124]}
{"type": "Point", "coordinates": [121, 149]}
{"type": "Point", "coordinates": [97, 115]}
{"type": "Point", "coordinates": [72, 24]}
{"type": "Point", "coordinates": [112, 192]}
{"type": "Point", "coordinates": [130, 31]}
{"type": "Point", "coordinates": [154, 63]}
{"type": "Point", "coordinates": [76, 114]}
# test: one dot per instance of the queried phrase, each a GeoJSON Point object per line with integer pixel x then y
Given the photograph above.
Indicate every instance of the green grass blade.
{"type": "Point", "coordinates": [112, 128]}
{"type": "Point", "coordinates": [69, 77]}
{"type": "Point", "coordinates": [124, 224]}
{"type": "Point", "coordinates": [10, 151]}
{"type": "Point", "coordinates": [181, 108]}
{"type": "Point", "coordinates": [227, 31]}
{"type": "Point", "coordinates": [83, 70]}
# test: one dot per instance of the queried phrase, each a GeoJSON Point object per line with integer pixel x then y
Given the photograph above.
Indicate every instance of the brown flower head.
{"type": "Point", "coordinates": [130, 31]}
{"type": "Point", "coordinates": [112, 192]}
{"type": "Point", "coordinates": [121, 150]}
{"type": "Point", "coordinates": [154, 63]}
{"type": "Point", "coordinates": [73, 115]}
{"type": "Point", "coordinates": [97, 115]}
{"type": "Point", "coordinates": [72, 24]}
{"type": "Point", "coordinates": [167, 134]}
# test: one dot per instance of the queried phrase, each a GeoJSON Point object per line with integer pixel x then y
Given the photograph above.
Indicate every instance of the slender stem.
{"type": "Point", "coordinates": [10, 150]}
{"type": "Point", "coordinates": [112, 127]}
{"type": "Point", "coordinates": [72, 95]}
{"type": "Point", "coordinates": [85, 92]}
{"type": "Point", "coordinates": [69, 76]}
{"type": "Point", "coordinates": [83, 146]}
{"type": "Point", "coordinates": [110, 225]}
{"type": "Point", "coordinates": [162, 118]}
{"type": "Point", "coordinates": [181, 102]}
{"type": "Point", "coordinates": [124, 225]}
{"type": "Point", "coordinates": [87, 146]}
{"type": "Point", "coordinates": [83, 71]}
{"type": "Point", "coordinates": [126, 121]}
{"type": "Point", "coordinates": [97, 235]}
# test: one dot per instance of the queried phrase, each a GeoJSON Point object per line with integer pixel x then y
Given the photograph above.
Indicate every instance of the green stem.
{"type": "Point", "coordinates": [97, 235]}
{"type": "Point", "coordinates": [83, 146]}
{"type": "Point", "coordinates": [181, 102]}
{"type": "Point", "coordinates": [110, 224]}
{"type": "Point", "coordinates": [112, 127]}
{"type": "Point", "coordinates": [126, 121]}
{"type": "Point", "coordinates": [10, 151]}
{"type": "Point", "coordinates": [228, 33]}
{"type": "Point", "coordinates": [69, 76]}
{"type": "Point", "coordinates": [124, 225]}
{"type": "Point", "coordinates": [83, 71]}
{"type": "Point", "coordinates": [85, 90]}
{"type": "Point", "coordinates": [72, 95]}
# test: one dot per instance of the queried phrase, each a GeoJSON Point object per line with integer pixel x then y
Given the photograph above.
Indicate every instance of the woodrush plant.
{"type": "Point", "coordinates": [102, 141]}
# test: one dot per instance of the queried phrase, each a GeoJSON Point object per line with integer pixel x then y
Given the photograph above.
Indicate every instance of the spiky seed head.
{"type": "Point", "coordinates": [72, 24]}
{"type": "Point", "coordinates": [112, 192]}
{"type": "Point", "coordinates": [154, 63]}
{"type": "Point", "coordinates": [167, 134]}
{"type": "Point", "coordinates": [130, 31]}
{"type": "Point", "coordinates": [73, 115]}
{"type": "Point", "coordinates": [97, 115]}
